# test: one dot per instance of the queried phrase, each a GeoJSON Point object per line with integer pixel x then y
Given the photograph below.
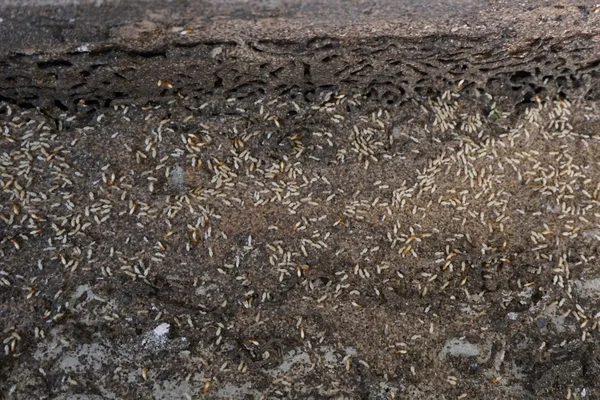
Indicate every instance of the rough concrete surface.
{"type": "Point", "coordinates": [299, 200]}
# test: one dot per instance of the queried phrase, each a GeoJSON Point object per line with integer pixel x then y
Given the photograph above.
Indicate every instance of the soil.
{"type": "Point", "coordinates": [301, 250]}
{"type": "Point", "coordinates": [372, 233]}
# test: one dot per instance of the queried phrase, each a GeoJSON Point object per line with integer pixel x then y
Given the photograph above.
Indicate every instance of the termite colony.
{"type": "Point", "coordinates": [256, 229]}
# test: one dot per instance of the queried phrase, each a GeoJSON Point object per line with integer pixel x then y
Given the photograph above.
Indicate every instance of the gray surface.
{"type": "Point", "coordinates": [35, 25]}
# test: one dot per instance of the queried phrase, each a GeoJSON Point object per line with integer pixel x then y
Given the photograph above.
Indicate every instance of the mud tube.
{"type": "Point", "coordinates": [58, 54]}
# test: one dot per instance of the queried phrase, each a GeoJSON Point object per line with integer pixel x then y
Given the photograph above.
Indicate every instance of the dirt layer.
{"type": "Point", "coordinates": [267, 200]}
{"type": "Point", "coordinates": [302, 250]}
